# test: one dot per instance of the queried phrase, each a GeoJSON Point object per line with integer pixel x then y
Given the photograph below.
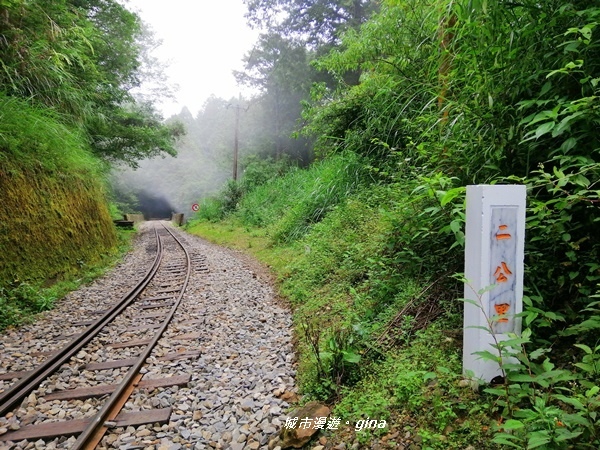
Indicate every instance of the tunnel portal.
{"type": "Point", "coordinates": [154, 206]}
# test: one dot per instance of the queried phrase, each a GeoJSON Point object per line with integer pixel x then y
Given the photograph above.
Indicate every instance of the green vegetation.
{"type": "Point", "coordinates": [20, 301]}
{"type": "Point", "coordinates": [367, 242]}
{"type": "Point", "coordinates": [83, 61]}
{"type": "Point", "coordinates": [404, 103]}
{"type": "Point", "coordinates": [53, 215]}
{"type": "Point", "coordinates": [68, 73]}
{"type": "Point", "coordinates": [56, 231]}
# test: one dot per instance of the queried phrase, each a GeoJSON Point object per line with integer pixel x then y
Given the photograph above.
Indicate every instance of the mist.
{"type": "Point", "coordinates": [204, 163]}
{"type": "Point", "coordinates": [202, 166]}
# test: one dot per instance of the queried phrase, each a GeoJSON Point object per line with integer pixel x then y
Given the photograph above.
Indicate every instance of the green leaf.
{"type": "Point", "coordinates": [516, 342]}
{"type": "Point", "coordinates": [521, 378]}
{"type": "Point", "coordinates": [593, 391]}
{"type": "Point", "coordinates": [429, 376]}
{"type": "Point", "coordinates": [565, 435]}
{"type": "Point", "coordinates": [495, 391]}
{"type": "Point", "coordinates": [537, 439]}
{"type": "Point", "coordinates": [547, 365]}
{"type": "Point", "coordinates": [577, 419]}
{"type": "Point", "coordinates": [512, 424]}
{"type": "Point", "coordinates": [537, 353]}
{"type": "Point", "coordinates": [455, 226]}
{"type": "Point", "coordinates": [568, 144]}
{"type": "Point", "coordinates": [505, 439]}
{"type": "Point", "coordinates": [570, 401]}
{"type": "Point", "coordinates": [584, 347]}
{"type": "Point", "coordinates": [351, 357]}
{"type": "Point", "coordinates": [487, 289]}
{"type": "Point", "coordinates": [325, 355]}
{"type": "Point", "coordinates": [451, 195]}
{"type": "Point", "coordinates": [472, 302]}
{"type": "Point", "coordinates": [530, 317]}
{"type": "Point", "coordinates": [544, 129]}
{"type": "Point", "coordinates": [582, 181]}
{"type": "Point", "coordinates": [526, 414]}
{"type": "Point", "coordinates": [488, 356]}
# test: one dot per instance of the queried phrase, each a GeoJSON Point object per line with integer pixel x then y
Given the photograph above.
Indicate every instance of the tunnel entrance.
{"type": "Point", "coordinates": [154, 206]}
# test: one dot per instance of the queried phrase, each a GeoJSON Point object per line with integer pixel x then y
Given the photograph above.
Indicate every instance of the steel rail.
{"type": "Point", "coordinates": [100, 418]}
{"type": "Point", "coordinates": [10, 398]}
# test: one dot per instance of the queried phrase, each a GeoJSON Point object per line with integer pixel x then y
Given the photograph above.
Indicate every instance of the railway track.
{"type": "Point", "coordinates": [120, 341]}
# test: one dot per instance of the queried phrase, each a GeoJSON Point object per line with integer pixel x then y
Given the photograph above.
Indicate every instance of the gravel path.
{"type": "Point", "coordinates": [236, 397]}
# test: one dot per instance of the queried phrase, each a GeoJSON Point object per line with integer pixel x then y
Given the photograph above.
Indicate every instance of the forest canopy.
{"type": "Point", "coordinates": [82, 60]}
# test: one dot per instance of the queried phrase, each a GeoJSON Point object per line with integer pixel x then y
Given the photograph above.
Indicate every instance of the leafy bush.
{"type": "Point", "coordinates": [211, 210]}
{"type": "Point", "coordinates": [19, 302]}
{"type": "Point", "coordinates": [543, 405]}
{"type": "Point", "coordinates": [333, 181]}
{"type": "Point", "coordinates": [231, 196]}
{"type": "Point", "coordinates": [258, 171]}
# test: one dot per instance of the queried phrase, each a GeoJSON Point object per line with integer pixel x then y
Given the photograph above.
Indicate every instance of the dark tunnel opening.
{"type": "Point", "coordinates": [154, 207]}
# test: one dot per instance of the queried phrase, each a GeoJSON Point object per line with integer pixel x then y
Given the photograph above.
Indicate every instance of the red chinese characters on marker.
{"type": "Point", "coordinates": [502, 234]}
{"type": "Point", "coordinates": [502, 271]}
{"type": "Point", "coordinates": [502, 259]}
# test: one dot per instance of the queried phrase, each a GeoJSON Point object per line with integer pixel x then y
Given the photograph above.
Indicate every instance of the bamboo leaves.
{"type": "Point", "coordinates": [80, 59]}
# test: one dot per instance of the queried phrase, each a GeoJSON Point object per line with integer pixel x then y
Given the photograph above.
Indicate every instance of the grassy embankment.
{"type": "Point", "coordinates": [377, 331]}
{"type": "Point", "coordinates": [55, 228]}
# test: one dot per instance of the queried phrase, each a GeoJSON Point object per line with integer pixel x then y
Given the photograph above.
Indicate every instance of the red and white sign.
{"type": "Point", "coordinates": [195, 207]}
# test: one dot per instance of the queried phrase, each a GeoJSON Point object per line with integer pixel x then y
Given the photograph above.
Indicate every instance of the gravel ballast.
{"type": "Point", "coordinates": [229, 314]}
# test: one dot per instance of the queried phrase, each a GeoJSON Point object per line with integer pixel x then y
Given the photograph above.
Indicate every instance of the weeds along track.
{"type": "Point", "coordinates": [79, 382]}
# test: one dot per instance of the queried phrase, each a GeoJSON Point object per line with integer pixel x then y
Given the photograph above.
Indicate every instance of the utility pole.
{"type": "Point", "coordinates": [237, 107]}
{"type": "Point", "coordinates": [236, 139]}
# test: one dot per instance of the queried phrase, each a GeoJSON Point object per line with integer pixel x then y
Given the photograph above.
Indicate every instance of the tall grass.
{"type": "Point", "coordinates": [289, 206]}
{"type": "Point", "coordinates": [38, 139]}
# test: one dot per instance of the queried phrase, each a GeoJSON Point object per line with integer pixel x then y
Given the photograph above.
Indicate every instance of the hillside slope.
{"type": "Point", "coordinates": [54, 215]}
{"type": "Point", "coordinates": [50, 224]}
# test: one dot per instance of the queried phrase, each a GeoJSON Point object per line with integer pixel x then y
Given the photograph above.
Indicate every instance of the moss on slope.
{"type": "Point", "coordinates": [53, 212]}
{"type": "Point", "coordinates": [50, 224]}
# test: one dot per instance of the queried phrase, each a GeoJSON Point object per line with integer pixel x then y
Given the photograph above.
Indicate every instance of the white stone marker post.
{"type": "Point", "coordinates": [494, 242]}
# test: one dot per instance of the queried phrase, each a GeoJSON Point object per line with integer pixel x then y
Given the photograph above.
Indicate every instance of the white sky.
{"type": "Point", "coordinates": [203, 41]}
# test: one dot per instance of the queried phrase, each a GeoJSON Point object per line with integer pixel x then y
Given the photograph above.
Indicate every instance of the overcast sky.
{"type": "Point", "coordinates": [203, 42]}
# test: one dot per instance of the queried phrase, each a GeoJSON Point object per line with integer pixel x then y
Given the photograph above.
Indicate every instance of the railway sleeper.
{"type": "Point", "coordinates": [76, 426]}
